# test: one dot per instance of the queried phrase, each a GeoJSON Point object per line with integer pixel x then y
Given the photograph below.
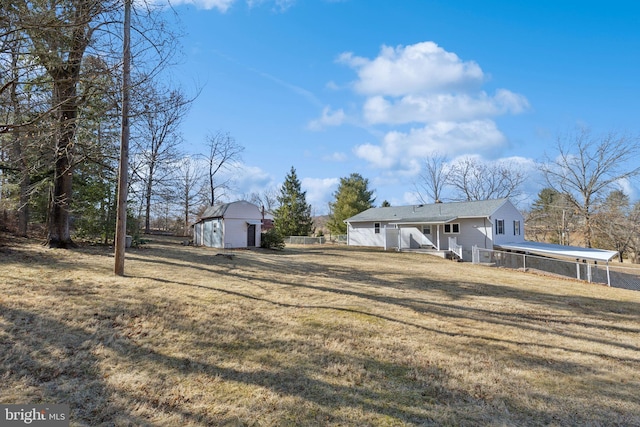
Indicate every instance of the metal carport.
{"type": "Point", "coordinates": [562, 251]}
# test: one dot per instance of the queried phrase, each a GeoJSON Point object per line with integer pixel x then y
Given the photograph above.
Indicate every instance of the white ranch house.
{"type": "Point", "coordinates": [444, 227]}
{"type": "Point", "coordinates": [230, 225]}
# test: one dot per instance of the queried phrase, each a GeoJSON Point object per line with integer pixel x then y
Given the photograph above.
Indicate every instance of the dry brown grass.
{"type": "Point", "coordinates": [311, 336]}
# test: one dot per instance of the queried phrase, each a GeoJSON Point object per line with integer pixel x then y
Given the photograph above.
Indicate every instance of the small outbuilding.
{"type": "Point", "coordinates": [229, 225]}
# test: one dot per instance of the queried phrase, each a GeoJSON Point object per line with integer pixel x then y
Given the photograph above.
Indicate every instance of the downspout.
{"type": "Point", "coordinates": [486, 232]}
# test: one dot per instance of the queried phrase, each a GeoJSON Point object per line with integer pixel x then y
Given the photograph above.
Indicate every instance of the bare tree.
{"type": "Point", "coordinates": [189, 181]}
{"type": "Point", "coordinates": [157, 140]}
{"type": "Point", "coordinates": [18, 141]}
{"type": "Point", "coordinates": [223, 154]}
{"type": "Point", "coordinates": [432, 181]}
{"type": "Point", "coordinates": [267, 199]}
{"type": "Point", "coordinates": [587, 167]}
{"type": "Point", "coordinates": [633, 248]}
{"type": "Point", "coordinates": [618, 222]}
{"type": "Point", "coordinates": [476, 180]}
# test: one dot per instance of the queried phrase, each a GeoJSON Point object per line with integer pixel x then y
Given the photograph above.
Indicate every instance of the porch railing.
{"type": "Point", "coordinates": [455, 247]}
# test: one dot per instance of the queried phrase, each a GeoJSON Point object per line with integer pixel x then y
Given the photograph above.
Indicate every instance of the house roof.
{"type": "Point", "coordinates": [431, 213]}
{"type": "Point", "coordinates": [550, 249]}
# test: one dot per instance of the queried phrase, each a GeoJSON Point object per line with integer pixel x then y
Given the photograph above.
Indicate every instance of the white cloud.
{"type": "Point", "coordinates": [319, 192]}
{"type": "Point", "coordinates": [415, 69]}
{"type": "Point", "coordinates": [280, 5]}
{"type": "Point", "coordinates": [224, 5]}
{"type": "Point", "coordinates": [627, 188]}
{"type": "Point", "coordinates": [336, 157]}
{"type": "Point", "coordinates": [328, 118]}
{"type": "Point", "coordinates": [402, 150]}
{"type": "Point", "coordinates": [442, 107]}
{"type": "Point", "coordinates": [426, 85]}
{"type": "Point", "coordinates": [246, 179]}
{"type": "Point", "coordinates": [221, 5]}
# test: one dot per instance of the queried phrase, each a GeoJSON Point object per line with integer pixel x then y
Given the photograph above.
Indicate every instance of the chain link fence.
{"type": "Point", "coordinates": [306, 240]}
{"type": "Point", "coordinates": [592, 272]}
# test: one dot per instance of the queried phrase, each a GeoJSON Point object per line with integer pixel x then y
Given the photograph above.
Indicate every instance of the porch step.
{"type": "Point", "coordinates": [427, 247]}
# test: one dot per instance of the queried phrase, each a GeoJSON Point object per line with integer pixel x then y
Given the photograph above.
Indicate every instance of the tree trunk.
{"type": "Point", "coordinates": [59, 235]}
{"type": "Point", "coordinates": [23, 209]}
{"type": "Point", "coordinates": [147, 219]}
{"type": "Point", "coordinates": [186, 216]}
{"type": "Point", "coordinates": [211, 187]}
{"type": "Point", "coordinates": [19, 155]}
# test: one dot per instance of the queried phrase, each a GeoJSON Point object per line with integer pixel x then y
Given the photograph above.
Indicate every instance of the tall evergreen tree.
{"type": "Point", "coordinates": [352, 197]}
{"type": "Point", "coordinates": [293, 216]}
{"type": "Point", "coordinates": [551, 218]}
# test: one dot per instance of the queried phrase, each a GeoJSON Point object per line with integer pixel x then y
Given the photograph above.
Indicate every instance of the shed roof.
{"type": "Point", "coordinates": [220, 210]}
{"type": "Point", "coordinates": [572, 252]}
{"type": "Point", "coordinates": [431, 213]}
{"type": "Point", "coordinates": [215, 211]}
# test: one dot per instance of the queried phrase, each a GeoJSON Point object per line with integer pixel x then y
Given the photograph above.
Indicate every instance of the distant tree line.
{"type": "Point", "coordinates": [60, 104]}
{"type": "Point", "coordinates": [582, 202]}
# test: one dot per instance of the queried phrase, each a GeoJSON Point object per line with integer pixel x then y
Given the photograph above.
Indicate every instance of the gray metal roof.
{"type": "Point", "coordinates": [550, 249]}
{"type": "Point", "coordinates": [215, 211]}
{"type": "Point", "coordinates": [432, 213]}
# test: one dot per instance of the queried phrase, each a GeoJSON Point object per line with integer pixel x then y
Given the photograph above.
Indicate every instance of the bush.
{"type": "Point", "coordinates": [271, 239]}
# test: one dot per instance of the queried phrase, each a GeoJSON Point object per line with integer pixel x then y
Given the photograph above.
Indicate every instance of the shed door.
{"type": "Point", "coordinates": [251, 235]}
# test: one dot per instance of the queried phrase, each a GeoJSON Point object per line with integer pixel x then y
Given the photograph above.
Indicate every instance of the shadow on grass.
{"type": "Point", "coordinates": [60, 362]}
{"type": "Point", "coordinates": [481, 314]}
{"type": "Point", "coordinates": [254, 269]}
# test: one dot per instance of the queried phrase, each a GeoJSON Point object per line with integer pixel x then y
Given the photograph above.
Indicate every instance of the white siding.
{"type": "Point", "coordinates": [235, 233]}
{"type": "Point", "coordinates": [474, 232]}
{"type": "Point", "coordinates": [509, 214]}
{"type": "Point", "coordinates": [197, 234]}
{"type": "Point", "coordinates": [363, 234]}
{"type": "Point", "coordinates": [236, 225]}
{"type": "Point", "coordinates": [210, 233]}
{"type": "Point", "coordinates": [412, 237]}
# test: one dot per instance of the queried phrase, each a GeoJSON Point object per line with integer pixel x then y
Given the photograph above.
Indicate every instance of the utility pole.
{"type": "Point", "coordinates": [121, 217]}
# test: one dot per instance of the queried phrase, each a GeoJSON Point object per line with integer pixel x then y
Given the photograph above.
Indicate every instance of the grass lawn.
{"type": "Point", "coordinates": [320, 335]}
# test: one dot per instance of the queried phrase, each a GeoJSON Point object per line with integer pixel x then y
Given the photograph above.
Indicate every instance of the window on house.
{"type": "Point", "coordinates": [376, 227]}
{"type": "Point", "coordinates": [426, 229]}
{"type": "Point", "coordinates": [499, 226]}
{"type": "Point", "coordinates": [452, 228]}
{"type": "Point", "coordinates": [516, 228]}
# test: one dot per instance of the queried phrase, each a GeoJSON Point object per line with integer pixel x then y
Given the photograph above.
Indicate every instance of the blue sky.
{"type": "Point", "coordinates": [333, 87]}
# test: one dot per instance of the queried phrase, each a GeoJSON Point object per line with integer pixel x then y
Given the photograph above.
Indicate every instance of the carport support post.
{"type": "Point", "coordinates": [578, 268]}
{"type": "Point", "coordinates": [608, 275]}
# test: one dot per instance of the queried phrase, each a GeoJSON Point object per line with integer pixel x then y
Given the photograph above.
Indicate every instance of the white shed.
{"type": "Point", "coordinates": [229, 225]}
